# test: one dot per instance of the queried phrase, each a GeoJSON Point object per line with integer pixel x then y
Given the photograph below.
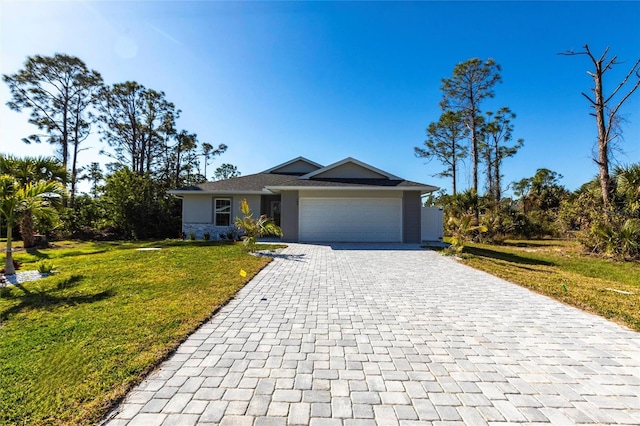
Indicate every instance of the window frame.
{"type": "Point", "coordinates": [216, 211]}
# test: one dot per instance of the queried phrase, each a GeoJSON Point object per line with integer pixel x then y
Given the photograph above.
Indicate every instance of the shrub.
{"type": "Point", "coordinates": [206, 236]}
{"type": "Point", "coordinates": [45, 267]}
{"type": "Point", "coordinates": [462, 230]}
{"type": "Point", "coordinates": [620, 240]}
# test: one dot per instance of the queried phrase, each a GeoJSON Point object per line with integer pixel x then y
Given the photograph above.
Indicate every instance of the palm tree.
{"type": "Point", "coordinates": [628, 187]}
{"type": "Point", "coordinates": [15, 198]}
{"type": "Point", "coordinates": [254, 228]}
{"type": "Point", "coordinates": [30, 170]}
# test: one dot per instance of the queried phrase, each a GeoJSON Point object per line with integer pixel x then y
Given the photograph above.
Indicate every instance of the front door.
{"type": "Point", "coordinates": [274, 212]}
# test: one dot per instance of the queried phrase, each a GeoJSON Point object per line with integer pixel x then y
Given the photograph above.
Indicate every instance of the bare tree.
{"type": "Point", "coordinates": [606, 109]}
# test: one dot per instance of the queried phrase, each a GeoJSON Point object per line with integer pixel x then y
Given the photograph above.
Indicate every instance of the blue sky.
{"type": "Point", "coordinates": [328, 80]}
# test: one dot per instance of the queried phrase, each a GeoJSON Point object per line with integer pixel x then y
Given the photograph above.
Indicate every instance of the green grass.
{"type": "Point", "coordinates": [560, 270]}
{"type": "Point", "coordinates": [73, 343]}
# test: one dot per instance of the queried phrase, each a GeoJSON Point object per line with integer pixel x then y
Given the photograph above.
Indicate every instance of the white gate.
{"type": "Point", "coordinates": [432, 225]}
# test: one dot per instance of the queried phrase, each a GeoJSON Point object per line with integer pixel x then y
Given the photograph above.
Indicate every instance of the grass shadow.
{"type": "Point", "coordinates": [183, 243]}
{"type": "Point", "coordinates": [72, 281]}
{"type": "Point", "coordinates": [530, 244]}
{"type": "Point", "coordinates": [47, 301]}
{"type": "Point", "coordinates": [72, 253]}
{"type": "Point", "coordinates": [35, 251]}
{"type": "Point", "coordinates": [273, 255]}
{"type": "Point", "coordinates": [507, 257]}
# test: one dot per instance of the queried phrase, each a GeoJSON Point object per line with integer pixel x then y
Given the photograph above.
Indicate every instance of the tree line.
{"type": "Point", "coordinates": [147, 154]}
{"type": "Point", "coordinates": [604, 214]}
{"type": "Point", "coordinates": [67, 101]}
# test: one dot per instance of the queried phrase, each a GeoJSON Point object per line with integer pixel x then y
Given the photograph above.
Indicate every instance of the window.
{"type": "Point", "coordinates": [222, 212]}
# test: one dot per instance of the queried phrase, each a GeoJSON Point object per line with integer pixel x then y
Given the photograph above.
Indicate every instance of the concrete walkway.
{"type": "Point", "coordinates": [386, 335]}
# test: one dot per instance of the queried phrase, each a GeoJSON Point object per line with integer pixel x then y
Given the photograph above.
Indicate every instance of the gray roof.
{"type": "Point", "coordinates": [249, 183]}
{"type": "Point", "coordinates": [276, 179]}
{"type": "Point", "coordinates": [260, 181]}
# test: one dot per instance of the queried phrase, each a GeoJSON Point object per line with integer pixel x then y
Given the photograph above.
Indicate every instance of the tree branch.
{"type": "Point", "coordinates": [590, 100]}
{"type": "Point", "coordinates": [617, 107]}
{"type": "Point", "coordinates": [624, 81]}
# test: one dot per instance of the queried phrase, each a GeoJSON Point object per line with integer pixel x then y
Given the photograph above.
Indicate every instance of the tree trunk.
{"type": "Point", "coordinates": [454, 164]}
{"type": "Point", "coordinates": [26, 229]}
{"type": "Point", "coordinates": [74, 168]}
{"type": "Point", "coordinates": [475, 160]}
{"type": "Point", "coordinates": [497, 183]}
{"type": "Point", "coordinates": [497, 190]}
{"type": "Point", "coordinates": [453, 174]}
{"type": "Point", "coordinates": [65, 143]}
{"type": "Point", "coordinates": [177, 184]}
{"type": "Point", "coordinates": [490, 181]}
{"type": "Point", "coordinates": [603, 138]}
{"type": "Point", "coordinates": [9, 269]}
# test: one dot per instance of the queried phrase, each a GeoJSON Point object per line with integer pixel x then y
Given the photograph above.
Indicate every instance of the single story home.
{"type": "Point", "coordinates": [347, 201]}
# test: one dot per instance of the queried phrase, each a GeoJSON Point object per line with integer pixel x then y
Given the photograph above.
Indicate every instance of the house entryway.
{"type": "Point", "coordinates": [274, 211]}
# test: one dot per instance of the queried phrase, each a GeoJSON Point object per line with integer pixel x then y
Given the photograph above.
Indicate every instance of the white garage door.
{"type": "Point", "coordinates": [350, 219]}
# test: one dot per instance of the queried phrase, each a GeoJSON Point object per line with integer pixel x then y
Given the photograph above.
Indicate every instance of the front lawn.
{"type": "Point", "coordinates": [560, 270]}
{"type": "Point", "coordinates": [75, 342]}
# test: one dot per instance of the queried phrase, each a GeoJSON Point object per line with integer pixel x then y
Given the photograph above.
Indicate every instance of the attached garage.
{"type": "Point", "coordinates": [347, 201]}
{"type": "Point", "coordinates": [350, 219]}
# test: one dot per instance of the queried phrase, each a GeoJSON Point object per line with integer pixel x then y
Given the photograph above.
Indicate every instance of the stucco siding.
{"type": "Point", "coordinates": [197, 209]}
{"type": "Point", "coordinates": [350, 170]}
{"type": "Point", "coordinates": [252, 200]}
{"type": "Point", "coordinates": [411, 217]}
{"type": "Point", "coordinates": [298, 167]}
{"type": "Point", "coordinates": [198, 217]}
{"type": "Point", "coordinates": [289, 215]}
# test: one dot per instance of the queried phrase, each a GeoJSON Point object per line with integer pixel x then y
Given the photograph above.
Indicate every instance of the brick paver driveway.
{"type": "Point", "coordinates": [365, 334]}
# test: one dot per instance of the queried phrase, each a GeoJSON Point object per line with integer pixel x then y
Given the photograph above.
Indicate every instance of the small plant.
{"type": "Point", "coordinates": [192, 236]}
{"type": "Point", "coordinates": [232, 234]}
{"type": "Point", "coordinates": [462, 231]}
{"type": "Point", "coordinates": [45, 267]}
{"type": "Point", "coordinates": [206, 236]}
{"type": "Point", "coordinates": [254, 228]}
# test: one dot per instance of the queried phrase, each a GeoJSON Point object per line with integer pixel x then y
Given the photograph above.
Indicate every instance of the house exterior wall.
{"type": "Point", "coordinates": [289, 215]}
{"type": "Point", "coordinates": [411, 217]}
{"type": "Point", "coordinates": [198, 214]}
{"type": "Point", "coordinates": [298, 167]}
{"type": "Point", "coordinates": [197, 208]}
{"type": "Point", "coordinates": [252, 200]}
{"type": "Point", "coordinates": [198, 211]}
{"type": "Point", "coordinates": [350, 170]}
